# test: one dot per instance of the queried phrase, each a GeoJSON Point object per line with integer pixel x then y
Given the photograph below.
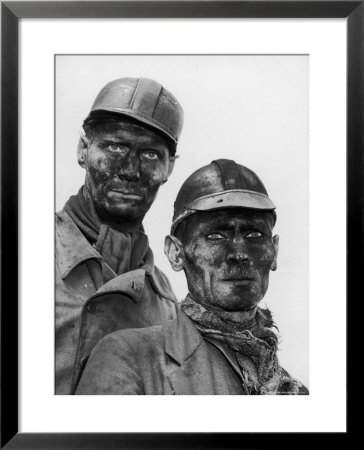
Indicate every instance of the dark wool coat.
{"type": "Point", "coordinates": [86, 310]}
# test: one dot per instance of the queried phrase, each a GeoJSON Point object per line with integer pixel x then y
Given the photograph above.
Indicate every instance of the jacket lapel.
{"type": "Point", "coordinates": [181, 338]}
{"type": "Point", "coordinates": [192, 378]}
{"type": "Point", "coordinates": [190, 373]}
{"type": "Point", "coordinates": [229, 355]}
{"type": "Point", "coordinates": [72, 248]}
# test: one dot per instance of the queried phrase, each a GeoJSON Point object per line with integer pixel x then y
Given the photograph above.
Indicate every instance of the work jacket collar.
{"type": "Point", "coordinates": [73, 249]}
{"type": "Point", "coordinates": [183, 340]}
{"type": "Point", "coordinates": [71, 245]}
{"type": "Point", "coordinates": [182, 344]}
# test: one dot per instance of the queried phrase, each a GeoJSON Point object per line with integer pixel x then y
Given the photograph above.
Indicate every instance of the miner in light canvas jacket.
{"type": "Point", "coordinates": [106, 279]}
{"type": "Point", "coordinates": [221, 342]}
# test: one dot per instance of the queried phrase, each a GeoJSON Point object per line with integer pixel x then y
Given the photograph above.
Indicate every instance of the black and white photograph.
{"type": "Point", "coordinates": [181, 226]}
{"type": "Point", "coordinates": [181, 215]}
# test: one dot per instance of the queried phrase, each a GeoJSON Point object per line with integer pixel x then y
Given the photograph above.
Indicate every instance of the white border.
{"type": "Point", "coordinates": [324, 409]}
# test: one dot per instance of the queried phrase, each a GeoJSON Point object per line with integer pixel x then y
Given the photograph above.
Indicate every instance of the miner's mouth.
{"type": "Point", "coordinates": [238, 281]}
{"type": "Point", "coordinates": [123, 193]}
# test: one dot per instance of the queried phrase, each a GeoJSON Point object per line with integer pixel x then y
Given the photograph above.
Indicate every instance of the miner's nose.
{"type": "Point", "coordinates": [129, 167]}
{"type": "Point", "coordinates": [237, 253]}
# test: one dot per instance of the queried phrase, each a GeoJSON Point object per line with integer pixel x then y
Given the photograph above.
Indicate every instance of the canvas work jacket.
{"type": "Point", "coordinates": [87, 310]}
{"type": "Point", "coordinates": [172, 359]}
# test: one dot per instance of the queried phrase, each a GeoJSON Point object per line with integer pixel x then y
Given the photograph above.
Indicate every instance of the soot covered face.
{"type": "Point", "coordinates": [227, 256]}
{"type": "Point", "coordinates": [125, 166]}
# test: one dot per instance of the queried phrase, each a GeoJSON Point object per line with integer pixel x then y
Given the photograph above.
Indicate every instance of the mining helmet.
{"type": "Point", "coordinates": [143, 100]}
{"type": "Point", "coordinates": [221, 184]}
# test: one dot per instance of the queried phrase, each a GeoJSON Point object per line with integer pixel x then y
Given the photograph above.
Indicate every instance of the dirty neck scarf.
{"type": "Point", "coordinates": [122, 251]}
{"type": "Point", "coordinates": [255, 345]}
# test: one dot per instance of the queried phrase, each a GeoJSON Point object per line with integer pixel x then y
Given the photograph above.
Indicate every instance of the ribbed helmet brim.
{"type": "Point", "coordinates": [139, 117]}
{"type": "Point", "coordinates": [236, 198]}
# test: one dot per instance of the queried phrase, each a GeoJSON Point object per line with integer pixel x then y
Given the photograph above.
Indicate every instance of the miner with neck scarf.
{"type": "Point", "coordinates": [106, 279]}
{"type": "Point", "coordinates": [222, 341]}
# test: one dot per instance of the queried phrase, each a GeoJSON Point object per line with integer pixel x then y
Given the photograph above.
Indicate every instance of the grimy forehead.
{"type": "Point", "coordinates": [231, 218]}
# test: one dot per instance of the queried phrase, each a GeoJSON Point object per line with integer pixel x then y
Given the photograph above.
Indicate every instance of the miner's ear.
{"type": "Point", "coordinates": [82, 148]}
{"type": "Point", "coordinates": [276, 248]}
{"type": "Point", "coordinates": [174, 252]}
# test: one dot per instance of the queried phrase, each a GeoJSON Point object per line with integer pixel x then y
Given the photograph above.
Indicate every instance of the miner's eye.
{"type": "Point", "coordinates": [254, 235]}
{"type": "Point", "coordinates": [113, 147]}
{"type": "Point", "coordinates": [150, 155]}
{"type": "Point", "coordinates": [215, 236]}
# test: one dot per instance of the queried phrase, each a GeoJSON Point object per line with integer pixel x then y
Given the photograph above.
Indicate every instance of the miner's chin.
{"type": "Point", "coordinates": [237, 304]}
{"type": "Point", "coordinates": [122, 211]}
{"type": "Point", "coordinates": [238, 298]}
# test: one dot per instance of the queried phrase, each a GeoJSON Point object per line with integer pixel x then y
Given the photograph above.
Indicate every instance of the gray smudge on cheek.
{"type": "Point", "coordinates": [266, 257]}
{"type": "Point", "coordinates": [265, 260]}
{"type": "Point", "coordinates": [98, 171]}
{"type": "Point", "coordinates": [105, 168]}
{"type": "Point", "coordinates": [109, 166]}
{"type": "Point", "coordinates": [152, 176]}
{"type": "Point", "coordinates": [196, 263]}
{"type": "Point", "coordinates": [206, 264]}
{"type": "Point", "coordinates": [199, 254]}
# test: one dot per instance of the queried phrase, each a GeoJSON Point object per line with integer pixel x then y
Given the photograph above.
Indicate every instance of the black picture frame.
{"type": "Point", "coordinates": [11, 12]}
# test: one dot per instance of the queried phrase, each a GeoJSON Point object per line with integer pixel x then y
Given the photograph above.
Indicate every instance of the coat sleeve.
{"type": "Point", "coordinates": [112, 368]}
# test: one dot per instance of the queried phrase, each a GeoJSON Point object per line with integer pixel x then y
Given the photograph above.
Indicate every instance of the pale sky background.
{"type": "Point", "coordinates": [253, 109]}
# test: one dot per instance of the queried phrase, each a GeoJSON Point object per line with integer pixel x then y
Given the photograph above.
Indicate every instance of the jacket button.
{"type": "Point", "coordinates": [94, 308]}
{"type": "Point", "coordinates": [83, 361]}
